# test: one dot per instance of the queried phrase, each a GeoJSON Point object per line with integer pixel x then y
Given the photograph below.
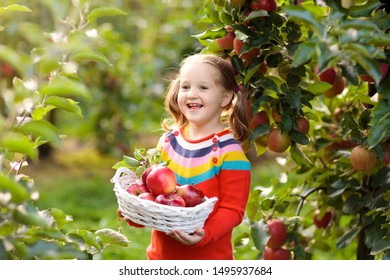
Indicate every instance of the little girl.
{"type": "Point", "coordinates": [202, 146]}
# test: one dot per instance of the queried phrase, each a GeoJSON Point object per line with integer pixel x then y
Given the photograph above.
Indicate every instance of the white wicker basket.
{"type": "Point", "coordinates": [154, 215]}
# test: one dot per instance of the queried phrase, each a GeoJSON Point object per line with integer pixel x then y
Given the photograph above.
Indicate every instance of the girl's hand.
{"type": "Point", "coordinates": [188, 239]}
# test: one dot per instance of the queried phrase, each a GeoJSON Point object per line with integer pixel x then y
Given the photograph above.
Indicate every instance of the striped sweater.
{"type": "Point", "coordinates": [218, 166]}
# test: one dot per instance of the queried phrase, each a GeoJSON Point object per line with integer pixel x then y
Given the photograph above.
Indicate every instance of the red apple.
{"type": "Point", "coordinates": [324, 220]}
{"type": "Point", "coordinates": [226, 42]}
{"type": "Point", "coordinates": [303, 124]}
{"type": "Point", "coordinates": [338, 87]}
{"type": "Point", "coordinates": [192, 196]}
{"type": "Point", "coordinates": [268, 5]}
{"type": "Point", "coordinates": [137, 188]}
{"type": "Point", "coordinates": [277, 141]}
{"type": "Point", "coordinates": [278, 233]}
{"type": "Point", "coordinates": [145, 174]}
{"type": "Point", "coordinates": [7, 70]}
{"type": "Point", "coordinates": [170, 199]}
{"type": "Point", "coordinates": [260, 117]}
{"type": "Point", "coordinates": [276, 254]}
{"type": "Point", "coordinates": [276, 116]}
{"type": "Point", "coordinates": [238, 44]}
{"type": "Point", "coordinates": [147, 196]}
{"type": "Point", "coordinates": [387, 143]}
{"type": "Point", "coordinates": [386, 158]}
{"type": "Point", "coordinates": [329, 75]}
{"type": "Point", "coordinates": [363, 159]}
{"type": "Point", "coordinates": [161, 179]}
{"type": "Point", "coordinates": [120, 215]}
{"type": "Point", "coordinates": [370, 79]}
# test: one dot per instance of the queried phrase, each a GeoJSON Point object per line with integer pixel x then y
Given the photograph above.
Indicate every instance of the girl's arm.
{"type": "Point", "coordinates": [235, 186]}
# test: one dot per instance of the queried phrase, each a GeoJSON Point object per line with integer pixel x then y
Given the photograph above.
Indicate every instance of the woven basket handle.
{"type": "Point", "coordinates": [130, 175]}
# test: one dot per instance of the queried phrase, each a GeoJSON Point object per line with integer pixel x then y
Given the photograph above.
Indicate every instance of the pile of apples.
{"type": "Point", "coordinates": [158, 184]}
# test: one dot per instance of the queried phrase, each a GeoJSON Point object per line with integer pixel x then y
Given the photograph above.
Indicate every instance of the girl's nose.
{"type": "Point", "coordinates": [192, 93]}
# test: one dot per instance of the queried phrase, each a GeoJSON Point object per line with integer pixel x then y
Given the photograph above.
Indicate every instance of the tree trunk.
{"type": "Point", "coordinates": [363, 252]}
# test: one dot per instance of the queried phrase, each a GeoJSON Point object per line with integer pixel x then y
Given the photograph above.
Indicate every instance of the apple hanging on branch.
{"type": "Point", "coordinates": [324, 220]}
{"type": "Point", "coordinates": [278, 233]}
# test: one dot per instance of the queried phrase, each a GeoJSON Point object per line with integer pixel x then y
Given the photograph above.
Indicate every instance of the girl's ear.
{"type": "Point", "coordinates": [227, 98]}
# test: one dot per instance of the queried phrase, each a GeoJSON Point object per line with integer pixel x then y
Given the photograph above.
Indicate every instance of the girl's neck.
{"type": "Point", "coordinates": [193, 132]}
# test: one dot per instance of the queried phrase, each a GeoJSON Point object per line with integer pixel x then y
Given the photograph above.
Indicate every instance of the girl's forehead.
{"type": "Point", "coordinates": [198, 69]}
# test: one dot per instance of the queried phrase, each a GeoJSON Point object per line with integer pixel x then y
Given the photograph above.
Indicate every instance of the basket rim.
{"type": "Point", "coordinates": [147, 203]}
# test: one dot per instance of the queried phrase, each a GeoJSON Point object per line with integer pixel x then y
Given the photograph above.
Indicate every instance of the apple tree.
{"type": "Point", "coordinates": [317, 72]}
{"type": "Point", "coordinates": [35, 80]}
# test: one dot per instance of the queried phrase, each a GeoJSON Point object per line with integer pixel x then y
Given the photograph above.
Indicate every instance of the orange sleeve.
{"type": "Point", "coordinates": [234, 192]}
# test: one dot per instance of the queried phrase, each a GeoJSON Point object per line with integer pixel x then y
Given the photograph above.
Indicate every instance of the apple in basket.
{"type": "Point", "coordinates": [161, 179]}
{"type": "Point", "coordinates": [145, 174]}
{"type": "Point", "coordinates": [170, 199]}
{"type": "Point", "coordinates": [191, 195]}
{"type": "Point", "coordinates": [137, 188]}
{"type": "Point", "coordinates": [147, 196]}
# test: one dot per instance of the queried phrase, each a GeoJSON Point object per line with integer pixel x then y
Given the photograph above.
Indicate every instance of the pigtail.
{"type": "Point", "coordinates": [239, 120]}
{"type": "Point", "coordinates": [176, 118]}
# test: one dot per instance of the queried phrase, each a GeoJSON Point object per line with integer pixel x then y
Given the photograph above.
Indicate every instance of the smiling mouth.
{"type": "Point", "coordinates": [194, 106]}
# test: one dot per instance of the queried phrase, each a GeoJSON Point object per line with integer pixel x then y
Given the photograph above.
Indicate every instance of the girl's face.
{"type": "Point", "coordinates": [201, 99]}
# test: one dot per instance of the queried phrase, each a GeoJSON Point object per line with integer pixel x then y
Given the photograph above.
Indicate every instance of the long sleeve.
{"type": "Point", "coordinates": [235, 185]}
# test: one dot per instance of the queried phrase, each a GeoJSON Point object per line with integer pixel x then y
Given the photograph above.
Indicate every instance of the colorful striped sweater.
{"type": "Point", "coordinates": [218, 166]}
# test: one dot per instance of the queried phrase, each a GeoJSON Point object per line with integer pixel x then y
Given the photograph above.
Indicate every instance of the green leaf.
{"type": "Point", "coordinates": [304, 53]}
{"type": "Point", "coordinates": [380, 123]}
{"type": "Point", "coordinates": [380, 246]}
{"type": "Point", "coordinates": [370, 65]}
{"type": "Point", "coordinates": [364, 119]}
{"type": "Point", "coordinates": [294, 100]}
{"type": "Point", "coordinates": [19, 143]}
{"type": "Point", "coordinates": [14, 8]}
{"type": "Point", "coordinates": [260, 234]}
{"type": "Point", "coordinates": [347, 238]}
{"type": "Point", "coordinates": [104, 12]}
{"type": "Point", "coordinates": [319, 87]}
{"type": "Point", "coordinates": [365, 10]}
{"type": "Point", "coordinates": [267, 204]}
{"type": "Point", "coordinates": [256, 14]}
{"type": "Point", "coordinates": [18, 192]}
{"type": "Point", "coordinates": [211, 34]}
{"type": "Point", "coordinates": [20, 61]}
{"type": "Point", "coordinates": [348, 121]}
{"type": "Point", "coordinates": [41, 129]}
{"type": "Point", "coordinates": [337, 188]}
{"type": "Point", "coordinates": [299, 137]}
{"type": "Point", "coordinates": [250, 72]}
{"type": "Point", "coordinates": [64, 87]}
{"type": "Point", "coordinates": [64, 103]}
{"type": "Point", "coordinates": [299, 157]}
{"type": "Point", "coordinates": [56, 217]}
{"type": "Point", "coordinates": [128, 162]}
{"type": "Point", "coordinates": [304, 16]}
{"type": "Point", "coordinates": [89, 56]}
{"type": "Point", "coordinates": [29, 218]}
{"type": "Point", "coordinates": [349, 71]}
{"type": "Point", "coordinates": [359, 25]}
{"type": "Point", "coordinates": [88, 237]}
{"type": "Point", "coordinates": [109, 237]}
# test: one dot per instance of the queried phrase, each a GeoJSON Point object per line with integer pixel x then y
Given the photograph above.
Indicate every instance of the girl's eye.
{"type": "Point", "coordinates": [203, 88]}
{"type": "Point", "coordinates": [184, 87]}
